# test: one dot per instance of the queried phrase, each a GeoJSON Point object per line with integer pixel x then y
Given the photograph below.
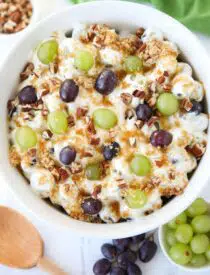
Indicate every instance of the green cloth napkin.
{"type": "Point", "coordinates": [195, 14]}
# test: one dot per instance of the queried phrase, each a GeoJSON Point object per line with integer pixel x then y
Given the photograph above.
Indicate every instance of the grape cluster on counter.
{"type": "Point", "coordinates": [121, 256]}
{"type": "Point", "coordinates": [188, 235]}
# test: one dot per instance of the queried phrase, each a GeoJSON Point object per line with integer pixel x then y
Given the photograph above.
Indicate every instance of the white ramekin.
{"type": "Point", "coordinates": [122, 15]}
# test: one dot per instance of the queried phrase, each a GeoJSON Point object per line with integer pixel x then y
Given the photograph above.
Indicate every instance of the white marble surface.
{"type": "Point", "coordinates": [75, 253]}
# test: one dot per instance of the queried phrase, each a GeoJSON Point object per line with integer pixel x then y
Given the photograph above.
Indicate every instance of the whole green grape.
{"type": "Point", "coordinates": [25, 137]}
{"type": "Point", "coordinates": [140, 165]}
{"type": "Point", "coordinates": [83, 60]}
{"type": "Point", "coordinates": [167, 104]}
{"type": "Point", "coordinates": [170, 237]}
{"type": "Point", "coordinates": [133, 64]}
{"type": "Point", "coordinates": [180, 253]}
{"type": "Point", "coordinates": [201, 224]}
{"type": "Point", "coordinates": [198, 207]}
{"type": "Point", "coordinates": [198, 260]}
{"type": "Point", "coordinates": [48, 51]}
{"type": "Point", "coordinates": [199, 244]}
{"type": "Point", "coordinates": [207, 253]}
{"type": "Point", "coordinates": [93, 171]}
{"type": "Point", "coordinates": [180, 219]}
{"type": "Point", "coordinates": [57, 122]}
{"type": "Point", "coordinates": [184, 233]}
{"type": "Point", "coordinates": [104, 118]}
{"type": "Point", "coordinates": [136, 198]}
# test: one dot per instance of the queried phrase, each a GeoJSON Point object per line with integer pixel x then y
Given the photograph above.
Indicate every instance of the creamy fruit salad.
{"type": "Point", "coordinates": [107, 125]}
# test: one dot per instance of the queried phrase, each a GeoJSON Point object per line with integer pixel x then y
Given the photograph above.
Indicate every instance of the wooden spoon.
{"type": "Point", "coordinates": [21, 245]}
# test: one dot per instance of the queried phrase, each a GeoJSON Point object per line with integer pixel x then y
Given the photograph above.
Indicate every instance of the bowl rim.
{"type": "Point", "coordinates": [183, 267]}
{"type": "Point", "coordinates": [116, 230]}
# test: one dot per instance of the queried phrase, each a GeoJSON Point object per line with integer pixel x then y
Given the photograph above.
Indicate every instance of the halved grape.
{"type": "Point", "coordinates": [57, 122]}
{"type": "Point", "coordinates": [48, 51]}
{"type": "Point", "coordinates": [180, 219]}
{"type": "Point", "coordinates": [184, 233]}
{"type": "Point", "coordinates": [25, 137]}
{"type": "Point", "coordinates": [93, 171]}
{"type": "Point", "coordinates": [170, 237]}
{"type": "Point", "coordinates": [198, 260]}
{"type": "Point", "coordinates": [140, 165]}
{"type": "Point", "coordinates": [136, 198]}
{"type": "Point", "coordinates": [201, 224]}
{"type": "Point", "coordinates": [200, 243]}
{"type": "Point", "coordinates": [180, 253]}
{"type": "Point", "coordinates": [167, 104]}
{"type": "Point", "coordinates": [207, 254]}
{"type": "Point", "coordinates": [198, 207]}
{"type": "Point", "coordinates": [133, 64]}
{"type": "Point", "coordinates": [104, 118]}
{"type": "Point", "coordinates": [83, 60]}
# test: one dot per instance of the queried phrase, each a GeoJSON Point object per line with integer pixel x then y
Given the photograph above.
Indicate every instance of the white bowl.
{"type": "Point", "coordinates": [123, 15]}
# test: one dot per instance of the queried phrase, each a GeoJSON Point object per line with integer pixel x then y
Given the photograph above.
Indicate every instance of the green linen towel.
{"type": "Point", "coordinates": [195, 14]}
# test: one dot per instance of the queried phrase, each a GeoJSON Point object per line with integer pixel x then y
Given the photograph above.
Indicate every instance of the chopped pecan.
{"type": "Point", "coordinates": [32, 152]}
{"type": "Point", "coordinates": [55, 172]}
{"type": "Point", "coordinates": [45, 112]}
{"type": "Point", "coordinates": [94, 140]}
{"type": "Point", "coordinates": [186, 104]}
{"type": "Point", "coordinates": [16, 16]}
{"type": "Point", "coordinates": [129, 114]}
{"type": "Point", "coordinates": [161, 79]}
{"type": "Point", "coordinates": [104, 168]}
{"type": "Point", "coordinates": [87, 155]}
{"type": "Point", "coordinates": [167, 87]}
{"type": "Point", "coordinates": [152, 121]}
{"type": "Point", "coordinates": [166, 74]}
{"type": "Point", "coordinates": [71, 121]}
{"type": "Point", "coordinates": [28, 69]}
{"type": "Point", "coordinates": [197, 150]}
{"type": "Point", "coordinates": [172, 175]}
{"type": "Point", "coordinates": [143, 47]}
{"type": "Point", "coordinates": [126, 98]}
{"type": "Point", "coordinates": [47, 134]}
{"type": "Point", "coordinates": [45, 92]}
{"type": "Point", "coordinates": [139, 93]}
{"type": "Point", "coordinates": [14, 157]}
{"type": "Point", "coordinates": [91, 128]}
{"type": "Point", "coordinates": [81, 112]}
{"type": "Point", "coordinates": [170, 191]}
{"type": "Point", "coordinates": [139, 32]}
{"type": "Point", "coordinates": [11, 108]}
{"type": "Point", "coordinates": [96, 191]}
{"type": "Point", "coordinates": [139, 124]}
{"type": "Point", "coordinates": [76, 167]}
{"type": "Point", "coordinates": [63, 174]}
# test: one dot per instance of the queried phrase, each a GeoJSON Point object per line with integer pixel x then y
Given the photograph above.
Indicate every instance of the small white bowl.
{"type": "Point", "coordinates": [164, 247]}
{"type": "Point", "coordinates": [125, 16]}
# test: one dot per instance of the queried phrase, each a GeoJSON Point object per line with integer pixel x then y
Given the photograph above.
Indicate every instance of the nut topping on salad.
{"type": "Point", "coordinates": [107, 125]}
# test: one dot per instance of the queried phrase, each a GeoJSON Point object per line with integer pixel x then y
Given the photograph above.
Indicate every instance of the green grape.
{"type": "Point", "coordinates": [48, 51]}
{"type": "Point", "coordinates": [208, 253]}
{"type": "Point", "coordinates": [25, 137]}
{"type": "Point", "coordinates": [135, 198]}
{"type": "Point", "coordinates": [198, 260]}
{"type": "Point", "coordinates": [104, 118]}
{"type": "Point", "coordinates": [180, 253]}
{"type": "Point", "coordinates": [198, 207]}
{"type": "Point", "coordinates": [140, 165]}
{"type": "Point", "coordinates": [93, 171]}
{"type": "Point", "coordinates": [133, 64]}
{"type": "Point", "coordinates": [57, 122]}
{"type": "Point", "coordinates": [199, 243]}
{"type": "Point", "coordinates": [83, 60]}
{"type": "Point", "coordinates": [201, 224]}
{"type": "Point", "coordinates": [170, 237]}
{"type": "Point", "coordinates": [180, 219]}
{"type": "Point", "coordinates": [184, 233]}
{"type": "Point", "coordinates": [167, 104]}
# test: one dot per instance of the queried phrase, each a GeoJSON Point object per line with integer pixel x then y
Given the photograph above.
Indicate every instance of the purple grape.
{"type": "Point", "coordinates": [27, 95]}
{"type": "Point", "coordinates": [133, 269]}
{"type": "Point", "coordinates": [122, 244]}
{"type": "Point", "coordinates": [110, 151]}
{"type": "Point", "coordinates": [143, 112]}
{"type": "Point", "coordinates": [197, 107]}
{"type": "Point", "coordinates": [147, 250]}
{"type": "Point", "coordinates": [118, 271]}
{"type": "Point", "coordinates": [101, 267]}
{"type": "Point", "coordinates": [106, 82]}
{"type": "Point", "coordinates": [69, 90]}
{"type": "Point", "coordinates": [161, 138]}
{"type": "Point", "coordinates": [139, 238]}
{"type": "Point", "coordinates": [67, 155]}
{"type": "Point", "coordinates": [109, 251]}
{"type": "Point", "coordinates": [91, 206]}
{"type": "Point", "coordinates": [125, 258]}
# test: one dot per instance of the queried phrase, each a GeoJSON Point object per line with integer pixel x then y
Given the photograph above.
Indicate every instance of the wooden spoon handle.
{"type": "Point", "coordinates": [50, 267]}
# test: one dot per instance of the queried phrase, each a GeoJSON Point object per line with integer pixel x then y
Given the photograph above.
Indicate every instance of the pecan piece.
{"type": "Point", "coordinates": [63, 174]}
{"type": "Point", "coordinates": [28, 70]}
{"type": "Point", "coordinates": [94, 140]}
{"type": "Point", "coordinates": [76, 167]}
{"type": "Point", "coordinates": [139, 124]}
{"type": "Point", "coordinates": [126, 98]}
{"type": "Point", "coordinates": [47, 134]}
{"type": "Point", "coordinates": [197, 150]}
{"type": "Point", "coordinates": [71, 121]}
{"type": "Point", "coordinates": [152, 121]}
{"type": "Point", "coordinates": [81, 112]}
{"type": "Point", "coordinates": [139, 93]}
{"type": "Point", "coordinates": [96, 191]}
{"type": "Point", "coordinates": [129, 114]}
{"type": "Point", "coordinates": [186, 104]}
{"type": "Point", "coordinates": [139, 32]}
{"type": "Point", "coordinates": [161, 79]}
{"type": "Point", "coordinates": [91, 128]}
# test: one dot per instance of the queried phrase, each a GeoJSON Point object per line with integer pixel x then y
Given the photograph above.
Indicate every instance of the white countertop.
{"type": "Point", "coordinates": [75, 253]}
